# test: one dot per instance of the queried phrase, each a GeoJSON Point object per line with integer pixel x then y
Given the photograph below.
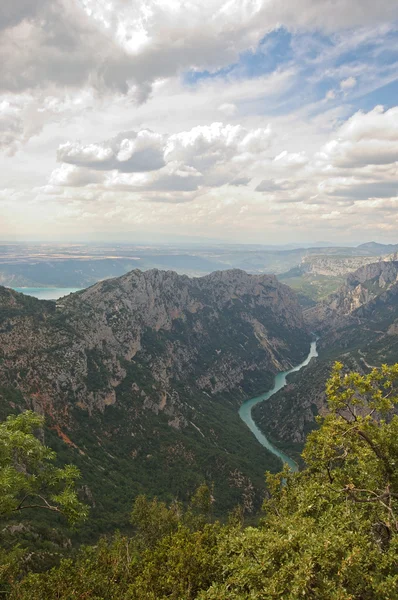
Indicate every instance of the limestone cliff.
{"type": "Point", "coordinates": [361, 287]}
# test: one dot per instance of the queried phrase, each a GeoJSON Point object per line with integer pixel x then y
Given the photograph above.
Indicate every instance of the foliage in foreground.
{"type": "Point", "coordinates": [28, 477]}
{"type": "Point", "coordinates": [330, 531]}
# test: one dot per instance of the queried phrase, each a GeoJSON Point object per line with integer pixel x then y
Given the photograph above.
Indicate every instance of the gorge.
{"type": "Point", "coordinates": [245, 411]}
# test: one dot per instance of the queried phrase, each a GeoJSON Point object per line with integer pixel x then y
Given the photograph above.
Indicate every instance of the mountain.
{"type": "Point", "coordinates": [141, 378]}
{"type": "Point", "coordinates": [354, 299]}
{"type": "Point", "coordinates": [376, 248]}
{"type": "Point", "coordinates": [358, 326]}
{"type": "Point", "coordinates": [81, 265]}
{"type": "Point", "coordinates": [318, 276]}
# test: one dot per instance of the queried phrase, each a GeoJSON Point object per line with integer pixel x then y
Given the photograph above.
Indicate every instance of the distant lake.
{"type": "Point", "coordinates": [46, 293]}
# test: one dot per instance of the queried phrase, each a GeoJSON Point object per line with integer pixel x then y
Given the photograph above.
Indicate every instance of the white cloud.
{"type": "Point", "coordinates": [365, 139]}
{"type": "Point", "coordinates": [347, 84]}
{"type": "Point", "coordinates": [145, 161]}
{"type": "Point", "coordinates": [233, 178]}
{"type": "Point", "coordinates": [228, 109]}
{"type": "Point", "coordinates": [128, 152]}
{"type": "Point", "coordinates": [71, 176]}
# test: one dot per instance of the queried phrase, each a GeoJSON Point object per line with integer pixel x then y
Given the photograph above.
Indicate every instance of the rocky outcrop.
{"type": "Point", "coordinates": [343, 308]}
{"type": "Point", "coordinates": [335, 266]}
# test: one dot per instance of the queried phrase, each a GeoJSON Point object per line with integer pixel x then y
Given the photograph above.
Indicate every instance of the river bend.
{"type": "Point", "coordinates": [245, 411]}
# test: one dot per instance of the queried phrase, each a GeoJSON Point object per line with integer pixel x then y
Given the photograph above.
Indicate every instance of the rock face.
{"type": "Point", "coordinates": [361, 288]}
{"type": "Point", "coordinates": [152, 365]}
{"type": "Point", "coordinates": [217, 328]}
{"type": "Point", "coordinates": [335, 266]}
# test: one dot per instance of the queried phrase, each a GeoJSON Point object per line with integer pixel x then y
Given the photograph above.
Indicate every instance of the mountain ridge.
{"type": "Point", "coordinates": [143, 375]}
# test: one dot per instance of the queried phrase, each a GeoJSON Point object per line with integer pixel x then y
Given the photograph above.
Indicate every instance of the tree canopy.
{"type": "Point", "coordinates": [329, 531]}
{"type": "Point", "coordinates": [29, 478]}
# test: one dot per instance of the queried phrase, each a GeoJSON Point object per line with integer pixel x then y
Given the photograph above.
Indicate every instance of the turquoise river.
{"type": "Point", "coordinates": [245, 411]}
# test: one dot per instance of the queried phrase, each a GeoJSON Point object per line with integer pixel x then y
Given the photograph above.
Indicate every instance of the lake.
{"type": "Point", "coordinates": [46, 293]}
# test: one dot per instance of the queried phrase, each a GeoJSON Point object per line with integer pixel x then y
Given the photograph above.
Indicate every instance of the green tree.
{"type": "Point", "coordinates": [153, 520]}
{"type": "Point", "coordinates": [331, 530]}
{"type": "Point", "coordinates": [28, 477]}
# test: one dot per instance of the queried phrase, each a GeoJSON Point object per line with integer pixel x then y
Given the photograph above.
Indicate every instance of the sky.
{"type": "Point", "coordinates": [247, 121]}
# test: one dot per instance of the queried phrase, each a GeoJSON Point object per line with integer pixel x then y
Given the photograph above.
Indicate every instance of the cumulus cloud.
{"type": "Point", "coordinates": [358, 164]}
{"type": "Point", "coordinates": [11, 125]}
{"type": "Point", "coordinates": [128, 152]}
{"type": "Point", "coordinates": [91, 68]}
{"type": "Point", "coordinates": [270, 185]}
{"type": "Point", "coordinates": [145, 161]}
{"type": "Point", "coordinates": [72, 176]}
{"type": "Point", "coordinates": [107, 49]}
{"type": "Point", "coordinates": [365, 139]}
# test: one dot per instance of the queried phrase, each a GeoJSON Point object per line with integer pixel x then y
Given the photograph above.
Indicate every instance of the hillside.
{"type": "Point", "coordinates": [352, 301]}
{"type": "Point", "coordinates": [141, 377]}
{"type": "Point", "coordinates": [358, 325]}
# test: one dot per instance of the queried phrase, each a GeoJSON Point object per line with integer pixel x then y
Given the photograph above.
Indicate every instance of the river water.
{"type": "Point", "coordinates": [245, 411]}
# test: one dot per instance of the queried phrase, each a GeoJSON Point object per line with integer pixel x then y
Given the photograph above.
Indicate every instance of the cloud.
{"type": "Point", "coordinates": [75, 72]}
{"type": "Point", "coordinates": [347, 84]}
{"type": "Point", "coordinates": [240, 181]}
{"type": "Point", "coordinates": [11, 125]}
{"type": "Point", "coordinates": [357, 164]}
{"type": "Point", "coordinates": [12, 13]}
{"type": "Point", "coordinates": [124, 46]}
{"type": "Point", "coordinates": [365, 139]}
{"type": "Point", "coordinates": [72, 176]}
{"type": "Point", "coordinates": [291, 159]}
{"type": "Point", "coordinates": [365, 191]}
{"type": "Point", "coordinates": [270, 185]}
{"type": "Point", "coordinates": [148, 162]}
{"type": "Point", "coordinates": [129, 152]}
{"type": "Point", "coordinates": [228, 109]}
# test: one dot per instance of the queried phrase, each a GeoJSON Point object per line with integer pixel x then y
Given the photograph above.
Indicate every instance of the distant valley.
{"type": "Point", "coordinates": [314, 271]}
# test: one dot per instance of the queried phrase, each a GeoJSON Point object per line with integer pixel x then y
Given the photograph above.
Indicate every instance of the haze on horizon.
{"type": "Point", "coordinates": [238, 121]}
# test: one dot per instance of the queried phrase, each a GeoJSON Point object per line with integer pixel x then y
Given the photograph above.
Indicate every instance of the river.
{"type": "Point", "coordinates": [245, 411]}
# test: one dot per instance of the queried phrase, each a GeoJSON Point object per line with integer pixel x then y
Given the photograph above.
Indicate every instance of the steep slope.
{"type": "Point", "coordinates": [358, 326]}
{"type": "Point", "coordinates": [316, 277]}
{"type": "Point", "coordinates": [141, 378]}
{"type": "Point", "coordinates": [343, 308]}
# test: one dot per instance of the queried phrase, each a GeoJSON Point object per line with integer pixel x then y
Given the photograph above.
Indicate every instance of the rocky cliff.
{"type": "Point", "coordinates": [144, 374]}
{"type": "Point", "coordinates": [335, 266]}
{"type": "Point", "coordinates": [343, 308]}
